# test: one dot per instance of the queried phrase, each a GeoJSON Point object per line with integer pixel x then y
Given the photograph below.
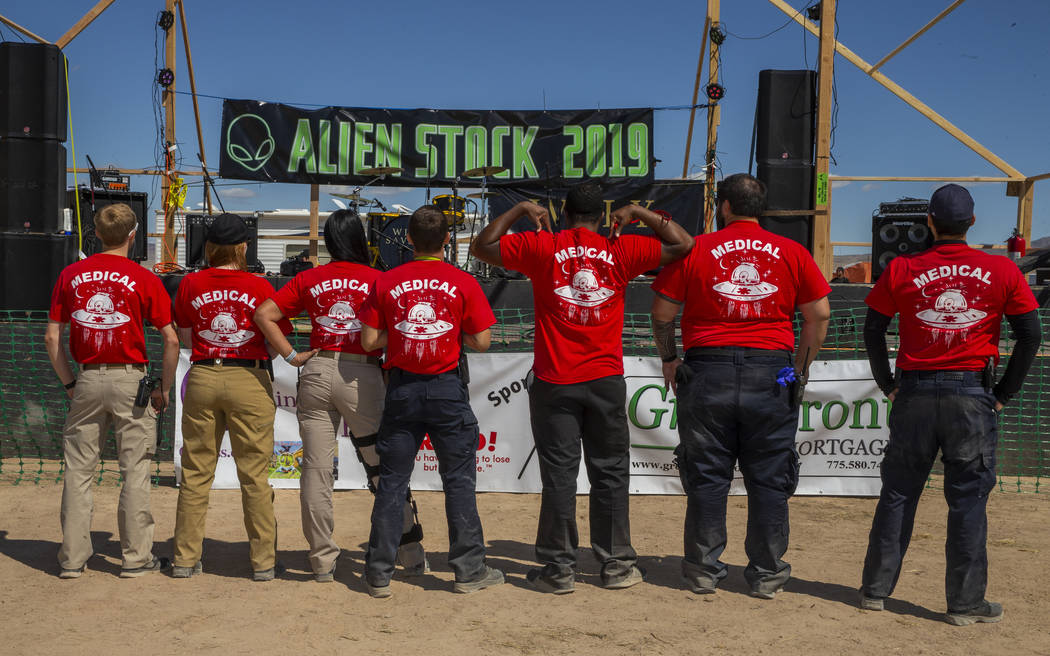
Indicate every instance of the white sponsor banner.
{"type": "Point", "coordinates": [841, 435]}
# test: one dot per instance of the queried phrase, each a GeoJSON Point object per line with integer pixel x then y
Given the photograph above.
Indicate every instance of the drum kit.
{"type": "Point", "coordinates": [388, 231]}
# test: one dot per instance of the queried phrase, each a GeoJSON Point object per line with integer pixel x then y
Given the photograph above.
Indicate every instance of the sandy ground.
{"type": "Point", "coordinates": [222, 611]}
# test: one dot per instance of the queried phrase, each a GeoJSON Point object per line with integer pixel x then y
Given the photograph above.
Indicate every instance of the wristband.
{"type": "Point", "coordinates": [291, 356]}
{"type": "Point", "coordinates": [71, 384]}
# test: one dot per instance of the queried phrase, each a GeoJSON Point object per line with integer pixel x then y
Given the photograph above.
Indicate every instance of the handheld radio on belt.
{"type": "Point", "coordinates": [146, 387]}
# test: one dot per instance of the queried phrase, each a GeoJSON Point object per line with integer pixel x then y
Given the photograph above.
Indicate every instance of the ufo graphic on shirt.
{"type": "Point", "coordinates": [341, 319]}
{"type": "Point", "coordinates": [951, 311]}
{"type": "Point", "coordinates": [422, 323]}
{"type": "Point", "coordinates": [99, 313]}
{"type": "Point", "coordinates": [745, 284]}
{"type": "Point", "coordinates": [224, 332]}
{"type": "Point", "coordinates": [585, 290]}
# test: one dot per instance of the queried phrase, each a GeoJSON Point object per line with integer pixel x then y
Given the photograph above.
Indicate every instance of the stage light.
{"type": "Point", "coordinates": [813, 13]}
{"type": "Point", "coordinates": [715, 91]}
{"type": "Point", "coordinates": [166, 20]}
{"type": "Point", "coordinates": [166, 78]}
{"type": "Point", "coordinates": [718, 36]}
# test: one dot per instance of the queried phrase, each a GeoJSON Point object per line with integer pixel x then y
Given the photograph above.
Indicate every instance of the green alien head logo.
{"type": "Point", "coordinates": [253, 144]}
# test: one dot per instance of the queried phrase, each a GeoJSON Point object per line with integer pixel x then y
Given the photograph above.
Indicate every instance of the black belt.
{"type": "Point", "coordinates": [941, 374]}
{"type": "Point", "coordinates": [732, 351]}
{"type": "Point", "coordinates": [234, 362]}
{"type": "Point", "coordinates": [397, 374]}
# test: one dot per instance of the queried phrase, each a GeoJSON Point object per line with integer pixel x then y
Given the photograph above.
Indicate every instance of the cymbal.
{"type": "Point", "coordinates": [351, 197]}
{"type": "Point", "coordinates": [483, 194]}
{"type": "Point", "coordinates": [484, 171]}
{"type": "Point", "coordinates": [381, 170]}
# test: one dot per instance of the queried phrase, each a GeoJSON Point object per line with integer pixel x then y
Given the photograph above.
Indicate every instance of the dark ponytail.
{"type": "Point", "coordinates": [344, 237]}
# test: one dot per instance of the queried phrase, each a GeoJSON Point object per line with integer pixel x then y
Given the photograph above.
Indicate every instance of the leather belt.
{"type": "Point", "coordinates": [104, 366]}
{"type": "Point", "coordinates": [233, 362]}
{"type": "Point", "coordinates": [349, 357]}
{"type": "Point", "coordinates": [732, 351]}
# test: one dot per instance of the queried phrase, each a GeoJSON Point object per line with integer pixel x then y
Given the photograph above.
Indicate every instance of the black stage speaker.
{"type": "Point", "coordinates": [784, 143]}
{"type": "Point", "coordinates": [32, 262]}
{"type": "Point", "coordinates": [92, 201]}
{"type": "Point", "coordinates": [898, 229]}
{"type": "Point", "coordinates": [32, 91]}
{"type": "Point", "coordinates": [32, 179]}
{"type": "Point", "coordinates": [197, 232]}
{"type": "Point", "coordinates": [789, 186]}
{"type": "Point", "coordinates": [786, 116]}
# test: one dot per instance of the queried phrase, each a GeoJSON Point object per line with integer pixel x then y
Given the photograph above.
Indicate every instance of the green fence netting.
{"type": "Point", "coordinates": [33, 405]}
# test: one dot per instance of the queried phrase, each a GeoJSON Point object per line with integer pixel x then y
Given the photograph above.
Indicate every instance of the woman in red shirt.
{"type": "Point", "coordinates": [228, 388]}
{"type": "Point", "coordinates": [343, 381]}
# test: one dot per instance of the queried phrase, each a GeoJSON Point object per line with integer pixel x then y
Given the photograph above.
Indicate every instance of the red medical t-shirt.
{"type": "Point", "coordinates": [578, 280]}
{"type": "Point", "coordinates": [740, 287]}
{"type": "Point", "coordinates": [951, 299]}
{"type": "Point", "coordinates": [218, 305]}
{"type": "Point", "coordinates": [105, 299]}
{"type": "Point", "coordinates": [332, 295]}
{"type": "Point", "coordinates": [425, 306]}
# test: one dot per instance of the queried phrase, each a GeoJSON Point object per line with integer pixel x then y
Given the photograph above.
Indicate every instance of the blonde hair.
{"type": "Point", "coordinates": [114, 224]}
{"type": "Point", "coordinates": [223, 254]}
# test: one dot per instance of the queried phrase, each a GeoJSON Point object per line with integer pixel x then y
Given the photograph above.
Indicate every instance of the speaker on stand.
{"type": "Point", "coordinates": [898, 229]}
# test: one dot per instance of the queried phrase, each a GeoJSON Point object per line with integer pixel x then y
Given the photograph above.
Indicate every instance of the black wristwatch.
{"type": "Point", "coordinates": [71, 384]}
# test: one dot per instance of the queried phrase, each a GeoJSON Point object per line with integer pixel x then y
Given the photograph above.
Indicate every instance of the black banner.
{"type": "Point", "coordinates": [682, 199]}
{"type": "Point", "coordinates": [280, 143]}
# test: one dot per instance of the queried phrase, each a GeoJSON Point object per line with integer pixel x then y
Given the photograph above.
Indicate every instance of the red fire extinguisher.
{"type": "Point", "coordinates": [1015, 246]}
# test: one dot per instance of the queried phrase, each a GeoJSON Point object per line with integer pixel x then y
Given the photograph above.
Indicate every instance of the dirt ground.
{"type": "Point", "coordinates": [222, 611]}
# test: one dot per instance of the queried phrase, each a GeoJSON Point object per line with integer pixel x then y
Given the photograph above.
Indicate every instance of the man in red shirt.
{"type": "Point", "coordinates": [422, 312]}
{"type": "Point", "coordinates": [738, 291]}
{"type": "Point", "coordinates": [105, 299]}
{"type": "Point", "coordinates": [579, 394]}
{"type": "Point", "coordinates": [951, 300]}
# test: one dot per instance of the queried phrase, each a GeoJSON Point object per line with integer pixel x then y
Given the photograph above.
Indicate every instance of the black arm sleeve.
{"type": "Point", "coordinates": [1029, 335]}
{"type": "Point", "coordinates": [875, 325]}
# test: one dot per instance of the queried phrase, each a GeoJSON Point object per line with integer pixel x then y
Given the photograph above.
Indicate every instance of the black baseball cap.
{"type": "Point", "coordinates": [228, 229]}
{"type": "Point", "coordinates": [951, 204]}
{"type": "Point", "coordinates": [585, 198]}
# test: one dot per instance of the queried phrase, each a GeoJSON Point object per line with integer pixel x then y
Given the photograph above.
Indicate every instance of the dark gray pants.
{"type": "Point", "coordinates": [564, 417]}
{"type": "Point", "coordinates": [953, 412]}
{"type": "Point", "coordinates": [732, 410]}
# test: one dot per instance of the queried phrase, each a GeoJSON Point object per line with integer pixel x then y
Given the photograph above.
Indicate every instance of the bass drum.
{"type": "Point", "coordinates": [390, 243]}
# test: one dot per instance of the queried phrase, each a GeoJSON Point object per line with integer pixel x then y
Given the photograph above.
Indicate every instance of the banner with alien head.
{"type": "Point", "coordinates": [339, 145]}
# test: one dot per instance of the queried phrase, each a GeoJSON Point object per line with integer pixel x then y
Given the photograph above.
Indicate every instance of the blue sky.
{"type": "Point", "coordinates": [983, 67]}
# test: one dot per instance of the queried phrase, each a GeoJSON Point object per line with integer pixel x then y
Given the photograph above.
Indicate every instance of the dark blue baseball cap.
{"type": "Point", "coordinates": [951, 203]}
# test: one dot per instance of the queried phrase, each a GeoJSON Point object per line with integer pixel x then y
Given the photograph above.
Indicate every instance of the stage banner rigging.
{"type": "Point", "coordinates": [280, 143]}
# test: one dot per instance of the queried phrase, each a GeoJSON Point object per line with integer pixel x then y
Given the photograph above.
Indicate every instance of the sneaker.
{"type": "Point", "coordinates": [71, 573]}
{"type": "Point", "coordinates": [764, 594]}
{"type": "Point", "coordinates": [490, 577]}
{"type": "Point", "coordinates": [633, 576]}
{"type": "Point", "coordinates": [419, 569]}
{"type": "Point", "coordinates": [987, 612]}
{"type": "Point", "coordinates": [871, 603]}
{"type": "Point", "coordinates": [154, 565]}
{"type": "Point", "coordinates": [378, 591]}
{"type": "Point", "coordinates": [178, 572]}
{"type": "Point", "coordinates": [326, 577]}
{"type": "Point", "coordinates": [696, 587]}
{"type": "Point", "coordinates": [547, 583]}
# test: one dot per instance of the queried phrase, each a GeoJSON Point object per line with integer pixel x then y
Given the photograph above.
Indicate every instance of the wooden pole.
{"type": "Point", "coordinates": [1042, 176]}
{"type": "Point", "coordinates": [823, 252]}
{"type": "Point", "coordinates": [899, 91]}
{"type": "Point", "coordinates": [889, 178]}
{"type": "Point", "coordinates": [908, 42]}
{"type": "Point", "coordinates": [168, 98]}
{"type": "Point", "coordinates": [82, 24]}
{"type": "Point", "coordinates": [315, 191]}
{"type": "Point", "coordinates": [193, 94]}
{"type": "Point", "coordinates": [714, 116]}
{"type": "Point", "coordinates": [1024, 210]}
{"type": "Point", "coordinates": [696, 96]}
{"type": "Point", "coordinates": [15, 26]}
{"type": "Point", "coordinates": [138, 171]}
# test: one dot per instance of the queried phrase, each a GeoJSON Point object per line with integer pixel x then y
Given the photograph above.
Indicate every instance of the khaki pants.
{"type": "Point", "coordinates": [330, 390]}
{"type": "Point", "coordinates": [105, 397]}
{"type": "Point", "coordinates": [239, 400]}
